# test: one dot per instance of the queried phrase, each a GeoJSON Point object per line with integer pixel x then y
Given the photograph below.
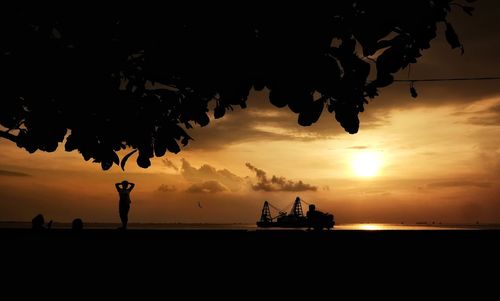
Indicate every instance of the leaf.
{"type": "Point", "coordinates": [219, 112]}
{"type": "Point", "coordinates": [143, 161]}
{"type": "Point", "coordinates": [124, 160]}
{"type": "Point", "coordinates": [185, 140]}
{"type": "Point", "coordinates": [115, 158]}
{"type": "Point", "coordinates": [202, 119]}
{"type": "Point", "coordinates": [160, 148]}
{"type": "Point", "coordinates": [312, 113]}
{"type": "Point", "coordinates": [277, 98]}
{"type": "Point", "coordinates": [452, 38]}
{"type": "Point", "coordinates": [71, 143]}
{"type": "Point", "coordinates": [172, 146]}
{"type": "Point", "coordinates": [105, 164]}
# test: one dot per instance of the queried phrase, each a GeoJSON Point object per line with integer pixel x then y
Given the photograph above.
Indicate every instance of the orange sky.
{"type": "Point", "coordinates": [438, 157]}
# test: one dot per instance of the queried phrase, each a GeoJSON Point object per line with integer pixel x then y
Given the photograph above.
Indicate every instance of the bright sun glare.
{"type": "Point", "coordinates": [366, 164]}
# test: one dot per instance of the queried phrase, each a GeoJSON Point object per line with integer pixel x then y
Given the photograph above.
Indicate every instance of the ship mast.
{"type": "Point", "coordinates": [297, 208]}
{"type": "Point", "coordinates": [266, 213]}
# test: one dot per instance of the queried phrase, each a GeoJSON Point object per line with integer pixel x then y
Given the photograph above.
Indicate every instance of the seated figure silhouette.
{"type": "Point", "coordinates": [38, 223]}
{"type": "Point", "coordinates": [124, 188]}
{"type": "Point", "coordinates": [77, 225]}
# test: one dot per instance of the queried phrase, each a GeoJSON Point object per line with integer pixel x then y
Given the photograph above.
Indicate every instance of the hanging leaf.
{"type": "Point", "coordinates": [219, 112]}
{"type": "Point", "coordinates": [172, 146]}
{"type": "Point", "coordinates": [143, 161]}
{"type": "Point", "coordinates": [105, 164]}
{"type": "Point", "coordinates": [124, 160]}
{"type": "Point", "coordinates": [278, 98]}
{"type": "Point", "coordinates": [160, 148]}
{"type": "Point", "coordinates": [202, 119]}
{"type": "Point", "coordinates": [114, 157]}
{"type": "Point", "coordinates": [311, 113]}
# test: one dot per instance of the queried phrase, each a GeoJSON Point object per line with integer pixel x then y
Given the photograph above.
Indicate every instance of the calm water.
{"type": "Point", "coordinates": [253, 227]}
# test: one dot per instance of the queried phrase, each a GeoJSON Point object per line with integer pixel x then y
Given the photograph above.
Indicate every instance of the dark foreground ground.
{"type": "Point", "coordinates": [240, 256]}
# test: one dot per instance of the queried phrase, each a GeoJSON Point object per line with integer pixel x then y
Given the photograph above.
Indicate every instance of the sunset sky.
{"type": "Point", "coordinates": [434, 158]}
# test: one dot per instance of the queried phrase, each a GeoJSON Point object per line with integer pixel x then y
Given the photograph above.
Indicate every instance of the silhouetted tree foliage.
{"type": "Point", "coordinates": [139, 77]}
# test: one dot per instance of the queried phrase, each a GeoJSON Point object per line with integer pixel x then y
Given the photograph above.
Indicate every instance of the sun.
{"type": "Point", "coordinates": [367, 163]}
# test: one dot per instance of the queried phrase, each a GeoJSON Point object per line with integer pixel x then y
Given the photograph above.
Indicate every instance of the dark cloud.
{"type": "Point", "coordinates": [207, 187]}
{"type": "Point", "coordinates": [488, 117]}
{"type": "Point", "coordinates": [485, 121]}
{"type": "Point", "coordinates": [169, 164]}
{"type": "Point", "coordinates": [209, 173]}
{"type": "Point", "coordinates": [277, 183]}
{"type": "Point", "coordinates": [358, 147]}
{"type": "Point", "coordinates": [167, 188]}
{"type": "Point", "coordinates": [458, 183]}
{"type": "Point", "coordinates": [9, 173]}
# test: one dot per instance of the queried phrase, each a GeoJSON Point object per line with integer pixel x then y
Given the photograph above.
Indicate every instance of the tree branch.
{"type": "Point", "coordinates": [8, 136]}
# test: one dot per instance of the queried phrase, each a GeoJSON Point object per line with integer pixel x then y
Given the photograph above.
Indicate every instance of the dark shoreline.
{"type": "Point", "coordinates": [220, 257]}
{"type": "Point", "coordinates": [143, 240]}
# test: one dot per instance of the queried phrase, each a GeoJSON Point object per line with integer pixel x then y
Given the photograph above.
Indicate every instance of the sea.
{"type": "Point", "coordinates": [253, 227]}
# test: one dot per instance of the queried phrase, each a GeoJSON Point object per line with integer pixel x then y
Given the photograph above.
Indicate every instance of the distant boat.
{"type": "Point", "coordinates": [296, 219]}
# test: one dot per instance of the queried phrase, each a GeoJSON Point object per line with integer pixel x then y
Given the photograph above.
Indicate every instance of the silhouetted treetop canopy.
{"type": "Point", "coordinates": [141, 77]}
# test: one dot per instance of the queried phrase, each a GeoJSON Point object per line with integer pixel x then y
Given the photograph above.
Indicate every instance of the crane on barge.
{"type": "Point", "coordinates": [296, 219]}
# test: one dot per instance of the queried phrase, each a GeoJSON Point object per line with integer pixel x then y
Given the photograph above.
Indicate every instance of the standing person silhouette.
{"type": "Point", "coordinates": [124, 188]}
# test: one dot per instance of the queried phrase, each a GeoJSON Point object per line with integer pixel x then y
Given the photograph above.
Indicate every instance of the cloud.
{"type": "Point", "coordinates": [209, 173]}
{"type": "Point", "coordinates": [277, 183]}
{"type": "Point", "coordinates": [169, 164]}
{"type": "Point", "coordinates": [451, 184]}
{"type": "Point", "coordinates": [358, 147]}
{"type": "Point", "coordinates": [207, 187]}
{"type": "Point", "coordinates": [167, 188]}
{"type": "Point", "coordinates": [487, 117]}
{"type": "Point", "coordinates": [9, 173]}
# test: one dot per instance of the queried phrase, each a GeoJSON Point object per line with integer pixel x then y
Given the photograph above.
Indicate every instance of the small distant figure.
{"type": "Point", "coordinates": [38, 223]}
{"type": "Point", "coordinates": [124, 188]}
{"type": "Point", "coordinates": [199, 205]}
{"type": "Point", "coordinates": [77, 225]}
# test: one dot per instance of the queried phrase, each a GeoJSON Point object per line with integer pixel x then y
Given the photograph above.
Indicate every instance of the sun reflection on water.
{"type": "Point", "coordinates": [370, 227]}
